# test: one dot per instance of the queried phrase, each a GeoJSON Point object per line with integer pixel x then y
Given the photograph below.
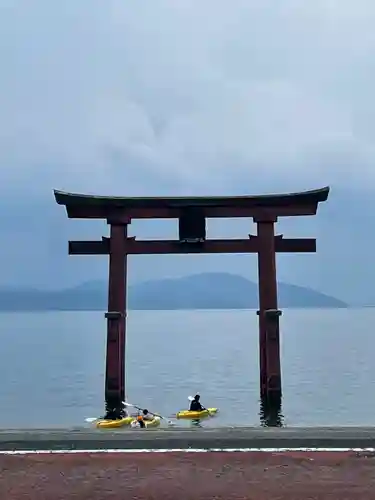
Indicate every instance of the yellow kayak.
{"type": "Point", "coordinates": [155, 422]}
{"type": "Point", "coordinates": [196, 414]}
{"type": "Point", "coordinates": [113, 424]}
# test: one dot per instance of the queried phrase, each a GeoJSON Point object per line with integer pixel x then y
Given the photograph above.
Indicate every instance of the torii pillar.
{"type": "Point", "coordinates": [269, 336]}
{"type": "Point", "coordinates": [116, 320]}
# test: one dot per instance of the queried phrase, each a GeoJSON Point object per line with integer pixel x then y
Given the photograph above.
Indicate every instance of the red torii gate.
{"type": "Point", "coordinates": [192, 213]}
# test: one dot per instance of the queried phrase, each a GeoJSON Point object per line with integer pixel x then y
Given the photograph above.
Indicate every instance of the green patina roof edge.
{"type": "Point", "coordinates": [87, 200]}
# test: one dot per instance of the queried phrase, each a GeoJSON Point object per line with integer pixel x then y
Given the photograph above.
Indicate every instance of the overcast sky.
{"type": "Point", "coordinates": [191, 96]}
{"type": "Point", "coordinates": [179, 97]}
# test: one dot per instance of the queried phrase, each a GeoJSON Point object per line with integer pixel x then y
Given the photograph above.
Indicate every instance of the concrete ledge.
{"type": "Point", "coordinates": [83, 439]}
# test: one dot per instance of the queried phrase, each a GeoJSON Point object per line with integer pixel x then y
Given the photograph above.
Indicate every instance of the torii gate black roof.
{"type": "Point", "coordinates": [266, 200]}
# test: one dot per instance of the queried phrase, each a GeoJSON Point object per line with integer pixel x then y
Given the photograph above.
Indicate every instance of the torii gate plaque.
{"type": "Point", "coordinates": [192, 214]}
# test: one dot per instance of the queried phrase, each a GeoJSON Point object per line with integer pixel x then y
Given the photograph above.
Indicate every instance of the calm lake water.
{"type": "Point", "coordinates": [52, 366]}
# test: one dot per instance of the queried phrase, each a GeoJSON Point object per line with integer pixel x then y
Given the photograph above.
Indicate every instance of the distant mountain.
{"type": "Point", "coordinates": [199, 291]}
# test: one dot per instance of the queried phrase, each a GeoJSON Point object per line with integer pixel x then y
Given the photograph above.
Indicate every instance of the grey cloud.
{"type": "Point", "coordinates": [203, 95]}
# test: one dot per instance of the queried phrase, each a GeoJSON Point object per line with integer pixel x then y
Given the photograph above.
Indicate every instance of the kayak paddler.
{"type": "Point", "coordinates": [195, 405]}
{"type": "Point", "coordinates": [146, 415]}
{"type": "Point", "coordinates": [139, 422]}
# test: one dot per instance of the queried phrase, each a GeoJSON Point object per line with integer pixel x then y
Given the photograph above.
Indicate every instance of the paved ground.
{"type": "Point", "coordinates": [188, 476]}
{"type": "Point", "coordinates": [91, 439]}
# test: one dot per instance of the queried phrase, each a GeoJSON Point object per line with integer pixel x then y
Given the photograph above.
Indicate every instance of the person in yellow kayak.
{"type": "Point", "coordinates": [146, 415]}
{"type": "Point", "coordinates": [139, 422]}
{"type": "Point", "coordinates": [195, 405]}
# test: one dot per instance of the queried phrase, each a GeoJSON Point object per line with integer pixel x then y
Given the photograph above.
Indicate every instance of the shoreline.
{"type": "Point", "coordinates": [246, 438]}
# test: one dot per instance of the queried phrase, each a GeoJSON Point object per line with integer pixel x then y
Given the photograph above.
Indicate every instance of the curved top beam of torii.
{"type": "Point", "coordinates": [265, 200]}
{"type": "Point", "coordinates": [82, 206]}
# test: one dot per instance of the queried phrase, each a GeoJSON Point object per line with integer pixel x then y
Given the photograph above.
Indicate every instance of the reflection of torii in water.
{"type": "Point", "coordinates": [270, 413]}
{"type": "Point", "coordinates": [192, 213]}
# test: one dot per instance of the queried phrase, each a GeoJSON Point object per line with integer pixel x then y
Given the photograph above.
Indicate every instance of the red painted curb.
{"type": "Point", "coordinates": [191, 476]}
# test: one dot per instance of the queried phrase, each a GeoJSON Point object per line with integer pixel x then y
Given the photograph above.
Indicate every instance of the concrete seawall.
{"type": "Point", "coordinates": [224, 438]}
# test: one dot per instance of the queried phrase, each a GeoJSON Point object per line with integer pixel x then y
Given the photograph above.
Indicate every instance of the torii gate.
{"type": "Point", "coordinates": [192, 213]}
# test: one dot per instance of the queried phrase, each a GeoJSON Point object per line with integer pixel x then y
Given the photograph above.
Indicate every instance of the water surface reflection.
{"type": "Point", "coordinates": [270, 412]}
